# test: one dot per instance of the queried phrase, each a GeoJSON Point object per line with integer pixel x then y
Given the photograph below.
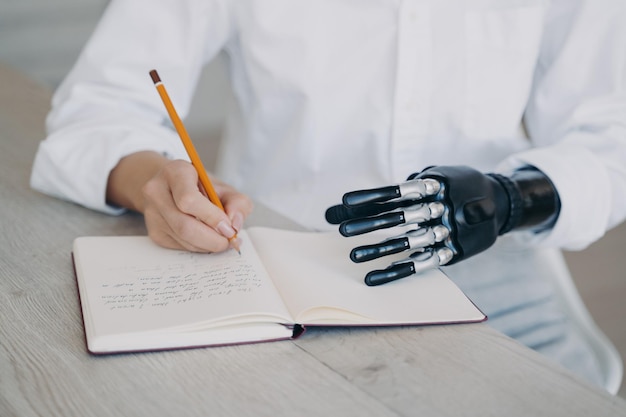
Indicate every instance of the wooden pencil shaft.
{"type": "Point", "coordinates": [205, 181]}
{"type": "Point", "coordinates": [187, 143]}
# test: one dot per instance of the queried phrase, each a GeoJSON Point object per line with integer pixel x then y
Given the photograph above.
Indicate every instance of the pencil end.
{"type": "Point", "coordinates": [155, 76]}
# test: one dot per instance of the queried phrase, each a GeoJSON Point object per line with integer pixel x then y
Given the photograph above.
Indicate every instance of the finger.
{"type": "Point", "coordinates": [421, 238]}
{"type": "Point", "coordinates": [340, 213]}
{"type": "Point", "coordinates": [419, 188]}
{"type": "Point", "coordinates": [388, 247]}
{"type": "Point", "coordinates": [166, 238]}
{"type": "Point", "coordinates": [194, 235]}
{"type": "Point", "coordinates": [169, 222]}
{"type": "Point", "coordinates": [368, 224]}
{"type": "Point", "coordinates": [164, 235]}
{"type": "Point", "coordinates": [373, 195]}
{"type": "Point", "coordinates": [417, 214]}
{"type": "Point", "coordinates": [171, 228]}
{"type": "Point", "coordinates": [392, 273]}
{"type": "Point", "coordinates": [238, 206]}
{"type": "Point", "coordinates": [189, 200]}
{"type": "Point", "coordinates": [416, 263]}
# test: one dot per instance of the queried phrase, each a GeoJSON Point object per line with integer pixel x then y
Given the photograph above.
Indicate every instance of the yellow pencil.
{"type": "Point", "coordinates": [191, 150]}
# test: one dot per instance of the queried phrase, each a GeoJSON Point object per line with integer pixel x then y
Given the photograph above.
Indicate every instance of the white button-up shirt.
{"type": "Point", "coordinates": [337, 95]}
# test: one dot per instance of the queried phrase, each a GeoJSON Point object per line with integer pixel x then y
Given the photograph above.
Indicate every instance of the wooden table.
{"type": "Point", "coordinates": [45, 369]}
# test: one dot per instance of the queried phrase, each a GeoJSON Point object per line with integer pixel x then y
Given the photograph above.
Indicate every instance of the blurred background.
{"type": "Point", "coordinates": [42, 38]}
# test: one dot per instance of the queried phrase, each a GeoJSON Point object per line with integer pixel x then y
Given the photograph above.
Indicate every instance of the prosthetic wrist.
{"type": "Point", "coordinates": [451, 212]}
{"type": "Point", "coordinates": [533, 201]}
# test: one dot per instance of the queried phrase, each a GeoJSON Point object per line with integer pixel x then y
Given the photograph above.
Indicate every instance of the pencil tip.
{"type": "Point", "coordinates": [234, 243]}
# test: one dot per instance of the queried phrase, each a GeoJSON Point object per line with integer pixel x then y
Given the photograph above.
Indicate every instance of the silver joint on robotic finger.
{"type": "Point", "coordinates": [419, 188]}
{"type": "Point", "coordinates": [428, 259]}
{"type": "Point", "coordinates": [427, 236]}
{"type": "Point", "coordinates": [423, 212]}
{"type": "Point", "coordinates": [445, 255]}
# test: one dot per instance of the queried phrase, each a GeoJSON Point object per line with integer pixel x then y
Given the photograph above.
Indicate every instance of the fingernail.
{"type": "Point", "coordinates": [237, 221]}
{"type": "Point", "coordinates": [225, 229]}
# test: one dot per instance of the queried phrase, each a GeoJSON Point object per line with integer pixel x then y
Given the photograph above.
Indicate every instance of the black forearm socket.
{"type": "Point", "coordinates": [534, 201]}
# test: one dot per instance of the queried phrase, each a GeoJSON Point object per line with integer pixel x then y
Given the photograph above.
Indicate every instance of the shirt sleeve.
{"type": "Point", "coordinates": [107, 107]}
{"type": "Point", "coordinates": [576, 119]}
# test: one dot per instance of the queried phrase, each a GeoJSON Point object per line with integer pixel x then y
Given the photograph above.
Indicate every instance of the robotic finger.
{"type": "Point", "coordinates": [365, 203]}
{"type": "Point", "coordinates": [416, 188]}
{"type": "Point", "coordinates": [414, 239]}
{"type": "Point", "coordinates": [417, 262]}
{"type": "Point", "coordinates": [410, 215]}
{"type": "Point", "coordinates": [340, 213]}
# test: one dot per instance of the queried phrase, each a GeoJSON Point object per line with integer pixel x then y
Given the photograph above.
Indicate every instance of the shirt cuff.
{"type": "Point", "coordinates": [583, 186]}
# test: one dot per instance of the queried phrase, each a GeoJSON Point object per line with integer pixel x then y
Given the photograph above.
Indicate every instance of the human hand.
{"type": "Point", "coordinates": [451, 213]}
{"type": "Point", "coordinates": [179, 215]}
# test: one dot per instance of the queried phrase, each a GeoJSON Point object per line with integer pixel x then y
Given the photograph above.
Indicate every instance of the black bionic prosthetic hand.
{"type": "Point", "coordinates": [451, 212]}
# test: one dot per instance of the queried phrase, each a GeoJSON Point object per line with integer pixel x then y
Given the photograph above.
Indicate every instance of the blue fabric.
{"type": "Point", "coordinates": [511, 284]}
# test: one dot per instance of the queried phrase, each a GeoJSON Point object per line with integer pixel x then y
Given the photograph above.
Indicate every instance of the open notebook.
{"type": "Point", "coordinates": [137, 296]}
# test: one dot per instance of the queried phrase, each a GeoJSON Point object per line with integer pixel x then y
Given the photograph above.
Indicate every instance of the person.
{"type": "Point", "coordinates": [338, 95]}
